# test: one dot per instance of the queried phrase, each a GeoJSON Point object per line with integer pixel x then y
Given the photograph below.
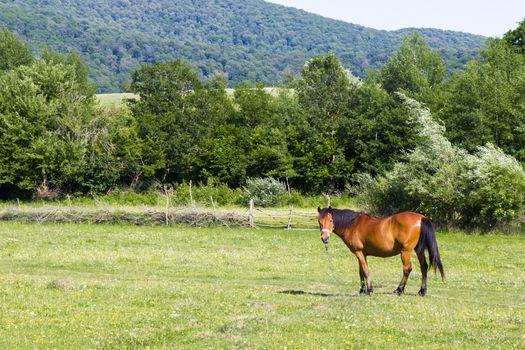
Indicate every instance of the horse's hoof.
{"type": "Point", "coordinates": [399, 291]}
{"type": "Point", "coordinates": [422, 292]}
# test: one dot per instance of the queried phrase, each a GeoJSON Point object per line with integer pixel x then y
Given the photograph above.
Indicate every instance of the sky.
{"type": "Point", "coordinates": [484, 17]}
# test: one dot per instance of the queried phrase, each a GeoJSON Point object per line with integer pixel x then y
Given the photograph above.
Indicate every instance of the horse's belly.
{"type": "Point", "coordinates": [382, 253]}
{"type": "Point", "coordinates": [383, 249]}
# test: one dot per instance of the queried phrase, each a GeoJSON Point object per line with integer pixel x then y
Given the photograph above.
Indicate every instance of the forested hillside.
{"type": "Point", "coordinates": [247, 40]}
{"type": "Point", "coordinates": [407, 137]}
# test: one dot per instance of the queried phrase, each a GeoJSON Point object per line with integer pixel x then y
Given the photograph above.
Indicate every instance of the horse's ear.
{"type": "Point", "coordinates": [318, 209]}
{"type": "Point", "coordinates": [330, 209]}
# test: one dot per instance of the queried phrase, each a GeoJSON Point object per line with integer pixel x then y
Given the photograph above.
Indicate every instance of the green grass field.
{"type": "Point", "coordinates": [102, 286]}
{"type": "Point", "coordinates": [116, 99]}
{"type": "Point", "coordinates": [113, 100]}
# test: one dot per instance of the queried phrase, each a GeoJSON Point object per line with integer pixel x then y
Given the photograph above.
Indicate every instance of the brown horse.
{"type": "Point", "coordinates": [365, 235]}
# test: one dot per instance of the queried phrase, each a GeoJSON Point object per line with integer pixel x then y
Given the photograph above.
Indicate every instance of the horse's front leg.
{"type": "Point", "coordinates": [364, 273]}
{"type": "Point", "coordinates": [362, 290]}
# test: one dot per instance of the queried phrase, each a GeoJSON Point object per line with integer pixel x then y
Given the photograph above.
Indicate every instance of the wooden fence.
{"type": "Point", "coordinates": [282, 218]}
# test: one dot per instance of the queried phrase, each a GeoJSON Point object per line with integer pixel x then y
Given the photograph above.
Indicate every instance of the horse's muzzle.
{"type": "Point", "coordinates": [325, 235]}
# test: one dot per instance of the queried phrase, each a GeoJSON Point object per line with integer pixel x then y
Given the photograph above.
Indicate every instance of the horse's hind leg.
{"type": "Point", "coordinates": [407, 268]}
{"type": "Point", "coordinates": [424, 269]}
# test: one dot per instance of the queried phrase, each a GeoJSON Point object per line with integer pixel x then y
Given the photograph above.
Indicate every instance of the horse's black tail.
{"type": "Point", "coordinates": [427, 240]}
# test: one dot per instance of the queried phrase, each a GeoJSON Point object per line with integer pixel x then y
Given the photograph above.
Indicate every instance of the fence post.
{"type": "Point", "coordinates": [291, 217]}
{"type": "Point", "coordinates": [288, 188]}
{"type": "Point", "coordinates": [191, 198]}
{"type": "Point", "coordinates": [213, 203]}
{"type": "Point", "coordinates": [251, 218]}
{"type": "Point", "coordinates": [168, 200]}
{"type": "Point", "coordinates": [328, 200]}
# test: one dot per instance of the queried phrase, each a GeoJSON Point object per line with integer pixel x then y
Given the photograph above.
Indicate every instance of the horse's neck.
{"type": "Point", "coordinates": [344, 223]}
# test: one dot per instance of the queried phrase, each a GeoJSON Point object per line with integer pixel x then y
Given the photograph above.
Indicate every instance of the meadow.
{"type": "Point", "coordinates": [167, 287]}
{"type": "Point", "coordinates": [114, 100]}
{"type": "Point", "coordinates": [117, 99]}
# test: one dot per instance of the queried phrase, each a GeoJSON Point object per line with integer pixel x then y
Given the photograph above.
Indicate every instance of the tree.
{"type": "Point", "coordinates": [223, 155]}
{"type": "Point", "coordinates": [116, 153]}
{"type": "Point", "coordinates": [13, 53]}
{"type": "Point", "coordinates": [414, 68]}
{"type": "Point", "coordinates": [44, 115]}
{"type": "Point", "coordinates": [253, 106]}
{"type": "Point", "coordinates": [167, 93]}
{"type": "Point", "coordinates": [324, 91]}
{"type": "Point", "coordinates": [72, 59]}
{"type": "Point", "coordinates": [378, 131]}
{"type": "Point", "coordinates": [516, 37]}
{"type": "Point", "coordinates": [485, 103]}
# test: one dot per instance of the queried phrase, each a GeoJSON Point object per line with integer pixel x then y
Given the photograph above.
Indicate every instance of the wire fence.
{"type": "Point", "coordinates": [163, 214]}
{"type": "Point", "coordinates": [282, 218]}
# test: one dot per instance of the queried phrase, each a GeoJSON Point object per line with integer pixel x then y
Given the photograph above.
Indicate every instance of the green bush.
{"type": "Point", "coordinates": [151, 197]}
{"type": "Point", "coordinates": [446, 183]}
{"type": "Point", "coordinates": [381, 195]}
{"type": "Point", "coordinates": [310, 201]}
{"type": "Point", "coordinates": [202, 194]}
{"type": "Point", "coordinates": [265, 192]}
{"type": "Point", "coordinates": [179, 194]}
{"type": "Point", "coordinates": [497, 188]}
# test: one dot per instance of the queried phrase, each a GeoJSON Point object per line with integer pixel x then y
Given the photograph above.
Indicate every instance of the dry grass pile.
{"type": "Point", "coordinates": [122, 215]}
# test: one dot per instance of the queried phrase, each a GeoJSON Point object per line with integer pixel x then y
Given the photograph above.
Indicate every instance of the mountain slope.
{"type": "Point", "coordinates": [249, 39]}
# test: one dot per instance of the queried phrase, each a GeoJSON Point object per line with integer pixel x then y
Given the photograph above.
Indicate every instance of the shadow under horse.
{"type": "Point", "coordinates": [366, 236]}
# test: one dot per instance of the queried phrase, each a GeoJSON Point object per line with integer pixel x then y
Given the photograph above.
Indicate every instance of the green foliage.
{"type": "Point", "coordinates": [446, 183]}
{"type": "Point", "coordinates": [179, 127]}
{"type": "Point", "coordinates": [485, 103]}
{"type": "Point", "coordinates": [13, 53]}
{"type": "Point", "coordinates": [497, 188]}
{"type": "Point", "coordinates": [54, 140]}
{"type": "Point", "coordinates": [378, 131]}
{"type": "Point", "coordinates": [324, 91]}
{"type": "Point", "coordinates": [250, 40]}
{"type": "Point", "coordinates": [223, 156]}
{"type": "Point", "coordinates": [516, 37]}
{"type": "Point", "coordinates": [43, 117]}
{"type": "Point", "coordinates": [309, 201]}
{"type": "Point", "coordinates": [203, 195]}
{"type": "Point", "coordinates": [166, 94]}
{"type": "Point", "coordinates": [414, 68]}
{"type": "Point", "coordinates": [261, 130]}
{"type": "Point", "coordinates": [72, 59]}
{"type": "Point", "coordinates": [265, 192]}
{"type": "Point", "coordinates": [120, 197]}
{"type": "Point", "coordinates": [116, 153]}
{"type": "Point", "coordinates": [195, 128]}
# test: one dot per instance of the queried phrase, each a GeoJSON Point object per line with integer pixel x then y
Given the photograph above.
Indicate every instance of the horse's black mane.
{"type": "Point", "coordinates": [342, 217]}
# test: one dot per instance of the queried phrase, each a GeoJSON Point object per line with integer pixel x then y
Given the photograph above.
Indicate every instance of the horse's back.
{"type": "Point", "coordinates": [408, 216]}
{"type": "Point", "coordinates": [391, 235]}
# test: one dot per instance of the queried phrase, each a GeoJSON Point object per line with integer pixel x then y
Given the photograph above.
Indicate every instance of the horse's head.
{"type": "Point", "coordinates": [326, 223]}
